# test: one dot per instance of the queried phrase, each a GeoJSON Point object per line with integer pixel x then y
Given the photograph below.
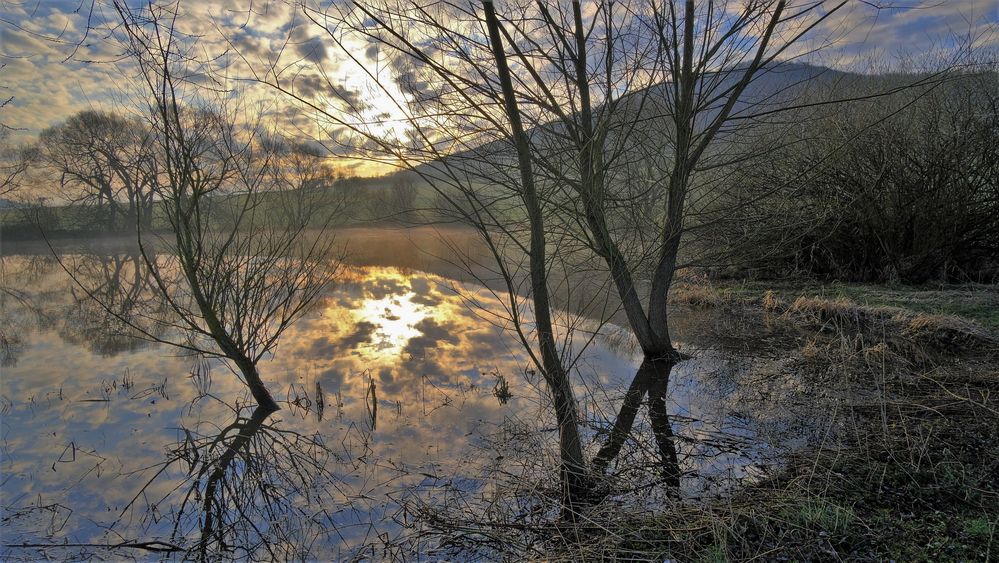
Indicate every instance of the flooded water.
{"type": "Point", "coordinates": [404, 394]}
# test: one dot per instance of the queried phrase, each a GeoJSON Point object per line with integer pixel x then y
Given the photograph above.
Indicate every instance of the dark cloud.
{"type": "Point", "coordinates": [333, 377]}
{"type": "Point", "coordinates": [351, 97]}
{"type": "Point", "coordinates": [420, 285]}
{"type": "Point", "coordinates": [311, 86]}
{"type": "Point", "coordinates": [487, 342]}
{"type": "Point", "coordinates": [247, 45]}
{"type": "Point", "coordinates": [432, 334]}
{"type": "Point", "coordinates": [384, 287]}
{"type": "Point", "coordinates": [388, 381]}
{"type": "Point", "coordinates": [312, 49]}
{"type": "Point", "coordinates": [410, 84]}
{"type": "Point", "coordinates": [427, 299]}
{"type": "Point", "coordinates": [324, 347]}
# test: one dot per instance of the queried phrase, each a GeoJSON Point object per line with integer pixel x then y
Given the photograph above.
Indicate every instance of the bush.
{"type": "Point", "coordinates": [899, 189]}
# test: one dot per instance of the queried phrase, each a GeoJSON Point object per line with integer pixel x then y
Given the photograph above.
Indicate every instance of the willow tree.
{"type": "Point", "coordinates": [103, 160]}
{"type": "Point", "coordinates": [629, 113]}
{"type": "Point", "coordinates": [234, 271]}
{"type": "Point", "coordinates": [725, 78]}
{"type": "Point", "coordinates": [447, 135]}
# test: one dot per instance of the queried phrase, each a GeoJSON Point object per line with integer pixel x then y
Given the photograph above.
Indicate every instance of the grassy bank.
{"type": "Point", "coordinates": [909, 471]}
{"type": "Point", "coordinates": [901, 464]}
{"type": "Point", "coordinates": [975, 302]}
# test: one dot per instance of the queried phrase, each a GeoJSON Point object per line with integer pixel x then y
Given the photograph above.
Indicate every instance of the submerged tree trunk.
{"type": "Point", "coordinates": [257, 388]}
{"type": "Point", "coordinates": [649, 327]}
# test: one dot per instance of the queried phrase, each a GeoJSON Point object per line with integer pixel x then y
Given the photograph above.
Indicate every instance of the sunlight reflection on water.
{"type": "Point", "coordinates": [402, 363]}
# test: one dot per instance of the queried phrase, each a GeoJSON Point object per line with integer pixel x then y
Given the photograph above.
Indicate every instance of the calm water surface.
{"type": "Point", "coordinates": [403, 392]}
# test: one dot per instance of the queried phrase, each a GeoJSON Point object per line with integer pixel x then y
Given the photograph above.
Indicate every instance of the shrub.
{"type": "Point", "coordinates": [898, 189]}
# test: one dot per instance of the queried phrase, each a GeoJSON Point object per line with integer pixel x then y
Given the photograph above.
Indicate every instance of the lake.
{"type": "Point", "coordinates": [408, 405]}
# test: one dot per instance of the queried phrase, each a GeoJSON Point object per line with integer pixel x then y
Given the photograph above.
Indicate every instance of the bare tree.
{"type": "Point", "coordinates": [395, 202]}
{"type": "Point", "coordinates": [234, 275]}
{"type": "Point", "coordinates": [629, 114]}
{"type": "Point", "coordinates": [641, 92]}
{"type": "Point", "coordinates": [14, 161]}
{"type": "Point", "coordinates": [104, 160]}
{"type": "Point", "coordinates": [635, 110]}
{"type": "Point", "coordinates": [302, 172]}
{"type": "Point", "coordinates": [498, 197]}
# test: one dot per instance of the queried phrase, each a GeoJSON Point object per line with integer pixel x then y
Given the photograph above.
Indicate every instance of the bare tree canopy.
{"type": "Point", "coordinates": [104, 160]}
{"type": "Point", "coordinates": [616, 119]}
{"type": "Point", "coordinates": [237, 266]}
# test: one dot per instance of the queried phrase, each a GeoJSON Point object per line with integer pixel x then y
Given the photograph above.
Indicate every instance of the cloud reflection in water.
{"type": "Point", "coordinates": [403, 344]}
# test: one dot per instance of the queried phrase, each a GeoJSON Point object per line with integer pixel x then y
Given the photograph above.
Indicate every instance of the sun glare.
{"type": "Point", "coordinates": [395, 318]}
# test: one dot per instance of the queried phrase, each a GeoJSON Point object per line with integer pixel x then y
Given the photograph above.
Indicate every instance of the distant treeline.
{"type": "Point", "coordinates": [364, 201]}
{"type": "Point", "coordinates": [103, 172]}
{"type": "Point", "coordinates": [901, 188]}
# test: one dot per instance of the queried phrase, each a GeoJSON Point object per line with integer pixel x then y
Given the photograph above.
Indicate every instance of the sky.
{"type": "Point", "coordinates": [59, 57]}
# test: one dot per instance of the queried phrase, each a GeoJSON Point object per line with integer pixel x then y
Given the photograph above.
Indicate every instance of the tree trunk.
{"type": "Point", "coordinates": [257, 388]}
{"type": "Point", "coordinates": [571, 450]}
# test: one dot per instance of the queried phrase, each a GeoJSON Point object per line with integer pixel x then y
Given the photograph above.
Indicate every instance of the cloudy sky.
{"type": "Point", "coordinates": [59, 56]}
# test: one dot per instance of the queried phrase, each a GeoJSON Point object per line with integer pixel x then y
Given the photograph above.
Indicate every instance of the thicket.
{"type": "Point", "coordinates": [893, 189]}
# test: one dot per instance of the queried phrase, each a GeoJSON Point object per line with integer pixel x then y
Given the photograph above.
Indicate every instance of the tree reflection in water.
{"type": "Point", "coordinates": [463, 450]}
{"type": "Point", "coordinates": [120, 293]}
{"type": "Point", "coordinates": [252, 489]}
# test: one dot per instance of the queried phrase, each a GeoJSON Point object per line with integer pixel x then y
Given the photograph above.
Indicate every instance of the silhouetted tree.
{"type": "Point", "coordinates": [245, 273]}
{"type": "Point", "coordinates": [14, 161]}
{"type": "Point", "coordinates": [105, 161]}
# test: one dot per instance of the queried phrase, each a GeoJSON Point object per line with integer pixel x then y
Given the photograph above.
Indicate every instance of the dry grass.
{"type": "Point", "coordinates": [697, 293]}
{"type": "Point", "coordinates": [771, 302]}
{"type": "Point", "coordinates": [905, 468]}
{"type": "Point", "coordinates": [906, 330]}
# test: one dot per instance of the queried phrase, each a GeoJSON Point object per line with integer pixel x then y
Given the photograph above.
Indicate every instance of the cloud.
{"type": "Point", "coordinates": [324, 347]}
{"type": "Point", "coordinates": [317, 87]}
{"type": "Point", "coordinates": [432, 335]}
{"type": "Point", "coordinates": [15, 43]}
{"type": "Point", "coordinates": [312, 50]}
{"type": "Point", "coordinates": [250, 45]}
{"type": "Point", "coordinates": [36, 38]}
